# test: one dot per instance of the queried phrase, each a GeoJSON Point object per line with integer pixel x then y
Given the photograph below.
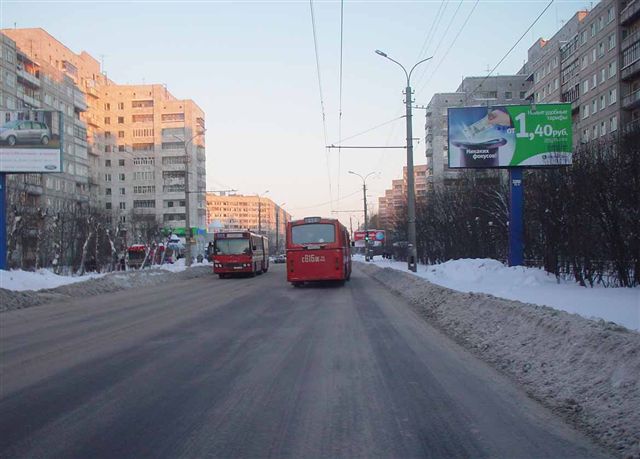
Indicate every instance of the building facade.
{"type": "Point", "coordinates": [473, 91]}
{"type": "Point", "coordinates": [129, 146]}
{"type": "Point", "coordinates": [391, 206]}
{"type": "Point", "coordinates": [596, 58]}
{"type": "Point", "coordinates": [258, 214]}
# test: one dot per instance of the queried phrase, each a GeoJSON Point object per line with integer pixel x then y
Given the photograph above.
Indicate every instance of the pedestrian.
{"type": "Point", "coordinates": [122, 264]}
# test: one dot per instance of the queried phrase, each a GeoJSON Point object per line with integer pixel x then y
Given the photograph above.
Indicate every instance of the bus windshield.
{"type": "Point", "coordinates": [313, 233]}
{"type": "Point", "coordinates": [232, 247]}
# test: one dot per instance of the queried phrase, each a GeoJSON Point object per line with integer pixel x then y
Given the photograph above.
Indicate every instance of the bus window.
{"type": "Point", "coordinates": [232, 247]}
{"type": "Point", "coordinates": [313, 233]}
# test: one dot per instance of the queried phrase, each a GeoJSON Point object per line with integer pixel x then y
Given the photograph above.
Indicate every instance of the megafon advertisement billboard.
{"type": "Point", "coordinates": [510, 136]}
{"type": "Point", "coordinates": [31, 141]}
{"type": "Point", "coordinates": [376, 238]}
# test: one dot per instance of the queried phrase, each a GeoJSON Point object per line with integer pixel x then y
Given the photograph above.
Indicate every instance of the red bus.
{"type": "Point", "coordinates": [318, 249]}
{"type": "Point", "coordinates": [237, 252]}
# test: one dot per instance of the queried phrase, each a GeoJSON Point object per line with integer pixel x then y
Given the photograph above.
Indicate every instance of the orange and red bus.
{"type": "Point", "coordinates": [236, 252]}
{"type": "Point", "coordinates": [318, 249]}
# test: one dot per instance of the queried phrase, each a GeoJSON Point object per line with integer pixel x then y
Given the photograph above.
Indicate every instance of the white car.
{"type": "Point", "coordinates": [25, 132]}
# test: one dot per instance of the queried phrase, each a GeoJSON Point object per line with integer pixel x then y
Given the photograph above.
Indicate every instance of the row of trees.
{"type": "Point", "coordinates": [73, 239]}
{"type": "Point", "coordinates": [581, 221]}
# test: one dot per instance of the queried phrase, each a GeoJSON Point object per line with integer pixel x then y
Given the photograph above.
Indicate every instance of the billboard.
{"type": "Point", "coordinates": [31, 141]}
{"type": "Point", "coordinates": [510, 136]}
{"type": "Point", "coordinates": [376, 238]}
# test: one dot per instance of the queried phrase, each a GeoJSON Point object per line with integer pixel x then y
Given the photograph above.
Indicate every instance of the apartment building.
{"type": "Point", "coordinates": [596, 57]}
{"type": "Point", "coordinates": [131, 143]}
{"type": "Point", "coordinates": [30, 82]}
{"type": "Point", "coordinates": [258, 214]}
{"type": "Point", "coordinates": [392, 205]}
{"type": "Point", "coordinates": [472, 91]}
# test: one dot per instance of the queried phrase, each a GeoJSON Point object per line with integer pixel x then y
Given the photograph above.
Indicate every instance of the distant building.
{"type": "Point", "coordinates": [238, 212]}
{"type": "Point", "coordinates": [392, 205]}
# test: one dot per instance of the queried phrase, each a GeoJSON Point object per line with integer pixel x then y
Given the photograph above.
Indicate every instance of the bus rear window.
{"type": "Point", "coordinates": [314, 233]}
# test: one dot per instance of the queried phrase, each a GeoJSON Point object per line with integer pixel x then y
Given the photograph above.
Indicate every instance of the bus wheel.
{"type": "Point", "coordinates": [296, 284]}
{"type": "Point", "coordinates": [340, 283]}
{"type": "Point", "coordinates": [222, 276]}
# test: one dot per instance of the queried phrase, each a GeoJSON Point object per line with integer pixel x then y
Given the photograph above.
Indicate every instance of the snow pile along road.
{"type": "Point", "coordinates": [587, 371]}
{"type": "Point", "coordinates": [530, 285]}
{"type": "Point", "coordinates": [10, 299]}
{"type": "Point", "coordinates": [19, 280]}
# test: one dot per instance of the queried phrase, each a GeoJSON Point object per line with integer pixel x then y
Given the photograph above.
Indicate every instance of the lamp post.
{"type": "Point", "coordinates": [278, 227]}
{"type": "Point", "coordinates": [366, 228]}
{"type": "Point", "coordinates": [187, 207]}
{"type": "Point", "coordinates": [260, 210]}
{"type": "Point", "coordinates": [411, 196]}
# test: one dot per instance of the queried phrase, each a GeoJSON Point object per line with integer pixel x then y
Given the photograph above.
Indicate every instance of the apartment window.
{"type": "Point", "coordinates": [583, 37]}
{"type": "Point", "coordinates": [121, 177]}
{"type": "Point", "coordinates": [600, 23]}
{"type": "Point", "coordinates": [610, 14]}
{"type": "Point", "coordinates": [555, 62]}
{"type": "Point", "coordinates": [107, 177]}
{"type": "Point", "coordinates": [171, 160]}
{"type": "Point", "coordinates": [144, 189]}
{"type": "Point", "coordinates": [107, 191]}
{"type": "Point", "coordinates": [143, 132]}
{"type": "Point", "coordinates": [523, 94]}
{"type": "Point", "coordinates": [123, 205]}
{"type": "Point", "coordinates": [603, 128]}
{"type": "Point", "coordinates": [614, 123]}
{"type": "Point", "coordinates": [594, 106]}
{"type": "Point", "coordinates": [142, 147]}
{"type": "Point", "coordinates": [603, 102]}
{"type": "Point", "coordinates": [593, 29]}
{"type": "Point", "coordinates": [585, 111]}
{"type": "Point", "coordinates": [612, 41]}
{"type": "Point", "coordinates": [594, 132]}
{"type": "Point", "coordinates": [613, 96]}
{"type": "Point", "coordinates": [144, 175]}
{"type": "Point", "coordinates": [172, 145]}
{"type": "Point", "coordinates": [107, 134]}
{"type": "Point", "coordinates": [556, 84]}
{"type": "Point", "coordinates": [142, 103]}
{"type": "Point", "coordinates": [107, 205]}
{"type": "Point", "coordinates": [120, 105]}
{"type": "Point", "coordinates": [122, 191]}
{"type": "Point", "coordinates": [601, 49]}
{"type": "Point", "coordinates": [593, 55]}
{"type": "Point", "coordinates": [107, 148]}
{"type": "Point", "coordinates": [107, 120]}
{"type": "Point", "coordinates": [603, 75]}
{"type": "Point", "coordinates": [594, 80]}
{"type": "Point", "coordinates": [584, 62]}
{"type": "Point", "coordinates": [144, 161]}
{"type": "Point", "coordinates": [585, 86]}
{"type": "Point", "coordinates": [121, 162]}
{"type": "Point", "coordinates": [121, 120]}
{"type": "Point", "coordinates": [142, 118]}
{"type": "Point", "coordinates": [123, 219]}
{"type": "Point", "coordinates": [508, 95]}
{"type": "Point", "coordinates": [107, 106]}
{"type": "Point", "coordinates": [107, 163]}
{"type": "Point", "coordinates": [121, 148]}
{"type": "Point", "coordinates": [167, 117]}
{"type": "Point", "coordinates": [585, 135]}
{"type": "Point", "coordinates": [144, 204]}
{"type": "Point", "coordinates": [121, 134]}
{"type": "Point", "coordinates": [612, 68]}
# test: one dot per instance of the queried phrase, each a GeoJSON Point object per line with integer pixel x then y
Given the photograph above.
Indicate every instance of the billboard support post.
{"type": "Point", "coordinates": [516, 206]}
{"type": "Point", "coordinates": [3, 220]}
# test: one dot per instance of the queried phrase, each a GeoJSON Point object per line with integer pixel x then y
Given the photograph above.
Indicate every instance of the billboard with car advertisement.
{"type": "Point", "coordinates": [510, 136]}
{"type": "Point", "coordinates": [31, 141]}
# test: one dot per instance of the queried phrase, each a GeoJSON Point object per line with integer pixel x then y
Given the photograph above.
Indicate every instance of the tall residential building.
{"type": "Point", "coordinates": [130, 141]}
{"type": "Point", "coordinates": [30, 81]}
{"type": "Point", "coordinates": [596, 56]}
{"type": "Point", "coordinates": [258, 214]}
{"type": "Point", "coordinates": [473, 91]}
{"type": "Point", "coordinates": [392, 205]}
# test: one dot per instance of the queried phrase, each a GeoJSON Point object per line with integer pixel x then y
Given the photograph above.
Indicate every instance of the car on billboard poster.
{"type": "Point", "coordinates": [510, 136]}
{"type": "Point", "coordinates": [30, 141]}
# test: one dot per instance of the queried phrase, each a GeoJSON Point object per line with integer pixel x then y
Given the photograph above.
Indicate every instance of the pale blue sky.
{"type": "Point", "coordinates": [251, 67]}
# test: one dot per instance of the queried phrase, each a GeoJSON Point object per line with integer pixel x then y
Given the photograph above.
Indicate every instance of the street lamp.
{"type": "Point", "coordinates": [260, 210]}
{"type": "Point", "coordinates": [366, 229]}
{"type": "Point", "coordinates": [187, 207]}
{"type": "Point", "coordinates": [411, 192]}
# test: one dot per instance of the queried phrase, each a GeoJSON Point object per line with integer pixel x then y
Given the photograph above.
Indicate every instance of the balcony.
{"type": "Point", "coordinates": [630, 70]}
{"type": "Point", "coordinates": [93, 120]}
{"type": "Point", "coordinates": [29, 100]}
{"type": "Point", "coordinates": [91, 91]}
{"type": "Point", "coordinates": [630, 12]}
{"type": "Point", "coordinates": [632, 126]}
{"type": "Point", "coordinates": [631, 101]}
{"type": "Point", "coordinates": [28, 78]}
{"type": "Point", "coordinates": [79, 101]}
{"type": "Point", "coordinates": [630, 40]}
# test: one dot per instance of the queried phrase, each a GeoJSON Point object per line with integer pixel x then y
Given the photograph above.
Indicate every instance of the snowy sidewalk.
{"type": "Point", "coordinates": [529, 285]}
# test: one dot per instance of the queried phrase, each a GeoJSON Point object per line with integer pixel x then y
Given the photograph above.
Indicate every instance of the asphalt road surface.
{"type": "Point", "coordinates": [256, 368]}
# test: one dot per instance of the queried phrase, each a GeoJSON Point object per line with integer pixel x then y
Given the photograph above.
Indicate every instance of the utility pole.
{"type": "Point", "coordinates": [411, 196]}
{"type": "Point", "coordinates": [187, 204]}
{"type": "Point", "coordinates": [366, 228]}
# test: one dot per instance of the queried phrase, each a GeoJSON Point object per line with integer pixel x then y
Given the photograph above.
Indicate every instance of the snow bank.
{"type": "Point", "coordinates": [530, 285]}
{"type": "Point", "coordinates": [19, 280]}
{"type": "Point", "coordinates": [586, 371]}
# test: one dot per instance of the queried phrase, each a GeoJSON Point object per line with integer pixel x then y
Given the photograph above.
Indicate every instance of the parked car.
{"type": "Point", "coordinates": [25, 132]}
{"type": "Point", "coordinates": [280, 259]}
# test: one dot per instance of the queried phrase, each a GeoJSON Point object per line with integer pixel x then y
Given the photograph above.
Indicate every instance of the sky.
{"type": "Point", "coordinates": [252, 68]}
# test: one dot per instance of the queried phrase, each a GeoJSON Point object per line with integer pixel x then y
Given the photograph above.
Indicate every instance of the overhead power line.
{"type": "Point", "coordinates": [370, 129]}
{"type": "Point", "coordinates": [427, 38]}
{"type": "Point", "coordinates": [510, 49]}
{"type": "Point", "coordinates": [328, 202]}
{"type": "Point", "coordinates": [340, 102]}
{"type": "Point", "coordinates": [324, 118]}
